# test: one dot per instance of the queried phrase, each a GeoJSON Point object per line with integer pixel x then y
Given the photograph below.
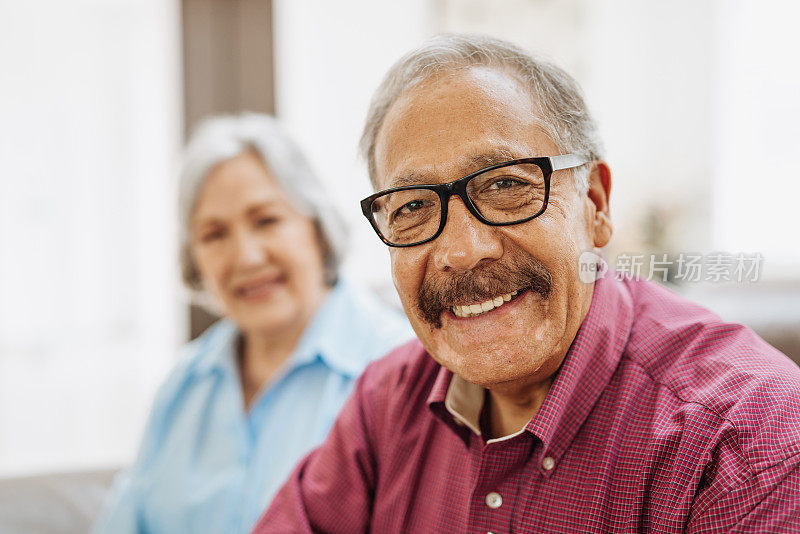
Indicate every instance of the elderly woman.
{"type": "Point", "coordinates": [262, 386]}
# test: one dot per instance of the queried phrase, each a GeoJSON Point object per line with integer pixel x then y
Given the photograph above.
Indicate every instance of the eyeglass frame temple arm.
{"type": "Point", "coordinates": [567, 161]}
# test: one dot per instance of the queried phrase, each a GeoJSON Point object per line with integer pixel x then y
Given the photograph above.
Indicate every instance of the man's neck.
{"type": "Point", "coordinates": [511, 407]}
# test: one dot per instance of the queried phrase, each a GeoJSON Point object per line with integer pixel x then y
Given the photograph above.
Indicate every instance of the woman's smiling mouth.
{"type": "Point", "coordinates": [257, 288]}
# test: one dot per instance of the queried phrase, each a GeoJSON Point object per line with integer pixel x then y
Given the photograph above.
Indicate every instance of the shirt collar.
{"type": "Point", "coordinates": [584, 374]}
{"type": "Point", "coordinates": [322, 340]}
{"type": "Point", "coordinates": [215, 349]}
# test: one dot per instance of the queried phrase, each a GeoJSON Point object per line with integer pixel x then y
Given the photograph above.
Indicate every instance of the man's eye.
{"type": "Point", "coordinates": [504, 183]}
{"type": "Point", "coordinates": [410, 207]}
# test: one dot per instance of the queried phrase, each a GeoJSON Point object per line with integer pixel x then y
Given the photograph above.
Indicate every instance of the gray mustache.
{"type": "Point", "coordinates": [523, 272]}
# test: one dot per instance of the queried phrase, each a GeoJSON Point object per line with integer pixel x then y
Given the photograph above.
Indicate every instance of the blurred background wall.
{"type": "Point", "coordinates": [696, 100]}
{"type": "Point", "coordinates": [90, 314]}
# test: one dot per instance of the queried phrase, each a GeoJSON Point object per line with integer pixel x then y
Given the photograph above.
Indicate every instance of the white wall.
{"type": "Point", "coordinates": [756, 173]}
{"type": "Point", "coordinates": [89, 322]}
{"type": "Point", "coordinates": [650, 81]}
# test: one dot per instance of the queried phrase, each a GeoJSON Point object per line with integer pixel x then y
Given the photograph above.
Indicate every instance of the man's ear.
{"type": "Point", "coordinates": [599, 193]}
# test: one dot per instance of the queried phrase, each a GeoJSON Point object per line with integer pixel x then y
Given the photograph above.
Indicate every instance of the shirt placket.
{"type": "Point", "coordinates": [496, 489]}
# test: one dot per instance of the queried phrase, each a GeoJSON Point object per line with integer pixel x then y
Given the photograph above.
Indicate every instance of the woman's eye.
{"type": "Point", "coordinates": [212, 236]}
{"type": "Point", "coordinates": [266, 221]}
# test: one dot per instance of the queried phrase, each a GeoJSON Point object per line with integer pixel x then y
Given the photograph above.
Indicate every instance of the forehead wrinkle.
{"type": "Point", "coordinates": [466, 165]}
{"type": "Point", "coordinates": [493, 157]}
{"type": "Point", "coordinates": [411, 178]}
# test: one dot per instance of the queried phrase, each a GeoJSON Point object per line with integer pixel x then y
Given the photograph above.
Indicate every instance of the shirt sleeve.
{"type": "Point", "coordinates": [769, 501]}
{"type": "Point", "coordinates": [331, 489]}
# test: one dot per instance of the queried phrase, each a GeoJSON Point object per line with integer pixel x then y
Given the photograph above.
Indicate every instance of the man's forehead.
{"type": "Point", "coordinates": [456, 123]}
{"type": "Point", "coordinates": [426, 167]}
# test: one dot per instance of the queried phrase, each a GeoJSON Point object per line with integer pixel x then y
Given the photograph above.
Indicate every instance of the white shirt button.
{"type": "Point", "coordinates": [494, 500]}
{"type": "Point", "coordinates": [548, 463]}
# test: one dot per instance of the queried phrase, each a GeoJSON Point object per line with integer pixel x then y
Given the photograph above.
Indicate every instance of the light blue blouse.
{"type": "Point", "coordinates": [207, 465]}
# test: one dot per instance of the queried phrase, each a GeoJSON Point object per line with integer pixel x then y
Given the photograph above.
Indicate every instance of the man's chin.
{"type": "Point", "coordinates": [510, 343]}
{"type": "Point", "coordinates": [490, 365]}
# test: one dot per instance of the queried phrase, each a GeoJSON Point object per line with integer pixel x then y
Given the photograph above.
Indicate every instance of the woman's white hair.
{"type": "Point", "coordinates": [563, 114]}
{"type": "Point", "coordinates": [219, 139]}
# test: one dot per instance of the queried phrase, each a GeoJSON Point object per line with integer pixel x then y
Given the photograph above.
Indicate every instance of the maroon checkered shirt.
{"type": "Point", "coordinates": [662, 418]}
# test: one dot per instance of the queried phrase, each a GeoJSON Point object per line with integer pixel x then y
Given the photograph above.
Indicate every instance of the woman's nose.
{"type": "Point", "coordinates": [249, 250]}
{"type": "Point", "coordinates": [465, 242]}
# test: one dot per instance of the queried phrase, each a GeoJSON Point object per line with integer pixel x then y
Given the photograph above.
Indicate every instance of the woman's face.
{"type": "Point", "coordinates": [255, 252]}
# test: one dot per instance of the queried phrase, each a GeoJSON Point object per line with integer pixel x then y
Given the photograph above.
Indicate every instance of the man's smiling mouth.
{"type": "Point", "coordinates": [474, 310]}
{"type": "Point", "coordinates": [479, 291]}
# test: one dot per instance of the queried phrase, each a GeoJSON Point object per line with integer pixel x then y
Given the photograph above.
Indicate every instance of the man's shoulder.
{"type": "Point", "coordinates": [722, 368]}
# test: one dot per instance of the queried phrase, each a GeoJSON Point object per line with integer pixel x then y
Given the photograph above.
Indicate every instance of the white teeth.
{"type": "Point", "coordinates": [473, 310]}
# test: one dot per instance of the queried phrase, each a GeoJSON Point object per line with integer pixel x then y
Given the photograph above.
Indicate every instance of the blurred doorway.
{"type": "Point", "coordinates": [228, 67]}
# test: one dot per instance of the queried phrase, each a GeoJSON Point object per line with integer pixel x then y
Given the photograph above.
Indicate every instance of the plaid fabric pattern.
{"type": "Point", "coordinates": [663, 418]}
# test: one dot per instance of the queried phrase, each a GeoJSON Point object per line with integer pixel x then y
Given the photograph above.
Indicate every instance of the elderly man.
{"type": "Point", "coordinates": [534, 401]}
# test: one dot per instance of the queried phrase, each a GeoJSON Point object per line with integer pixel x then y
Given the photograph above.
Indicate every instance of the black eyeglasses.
{"type": "Point", "coordinates": [507, 193]}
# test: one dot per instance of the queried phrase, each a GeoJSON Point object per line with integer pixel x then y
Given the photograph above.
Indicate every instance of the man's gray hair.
{"type": "Point", "coordinates": [563, 114]}
{"type": "Point", "coordinates": [219, 139]}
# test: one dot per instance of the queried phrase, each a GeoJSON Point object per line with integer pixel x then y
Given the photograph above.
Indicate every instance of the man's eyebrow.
{"type": "Point", "coordinates": [470, 164]}
{"type": "Point", "coordinates": [411, 179]}
{"type": "Point", "coordinates": [487, 159]}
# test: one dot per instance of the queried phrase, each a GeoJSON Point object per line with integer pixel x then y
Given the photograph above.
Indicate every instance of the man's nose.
{"type": "Point", "coordinates": [249, 250]}
{"type": "Point", "coordinates": [465, 242]}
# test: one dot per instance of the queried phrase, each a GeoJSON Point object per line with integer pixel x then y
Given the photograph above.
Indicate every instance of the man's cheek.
{"type": "Point", "coordinates": [396, 279]}
{"type": "Point", "coordinates": [406, 274]}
